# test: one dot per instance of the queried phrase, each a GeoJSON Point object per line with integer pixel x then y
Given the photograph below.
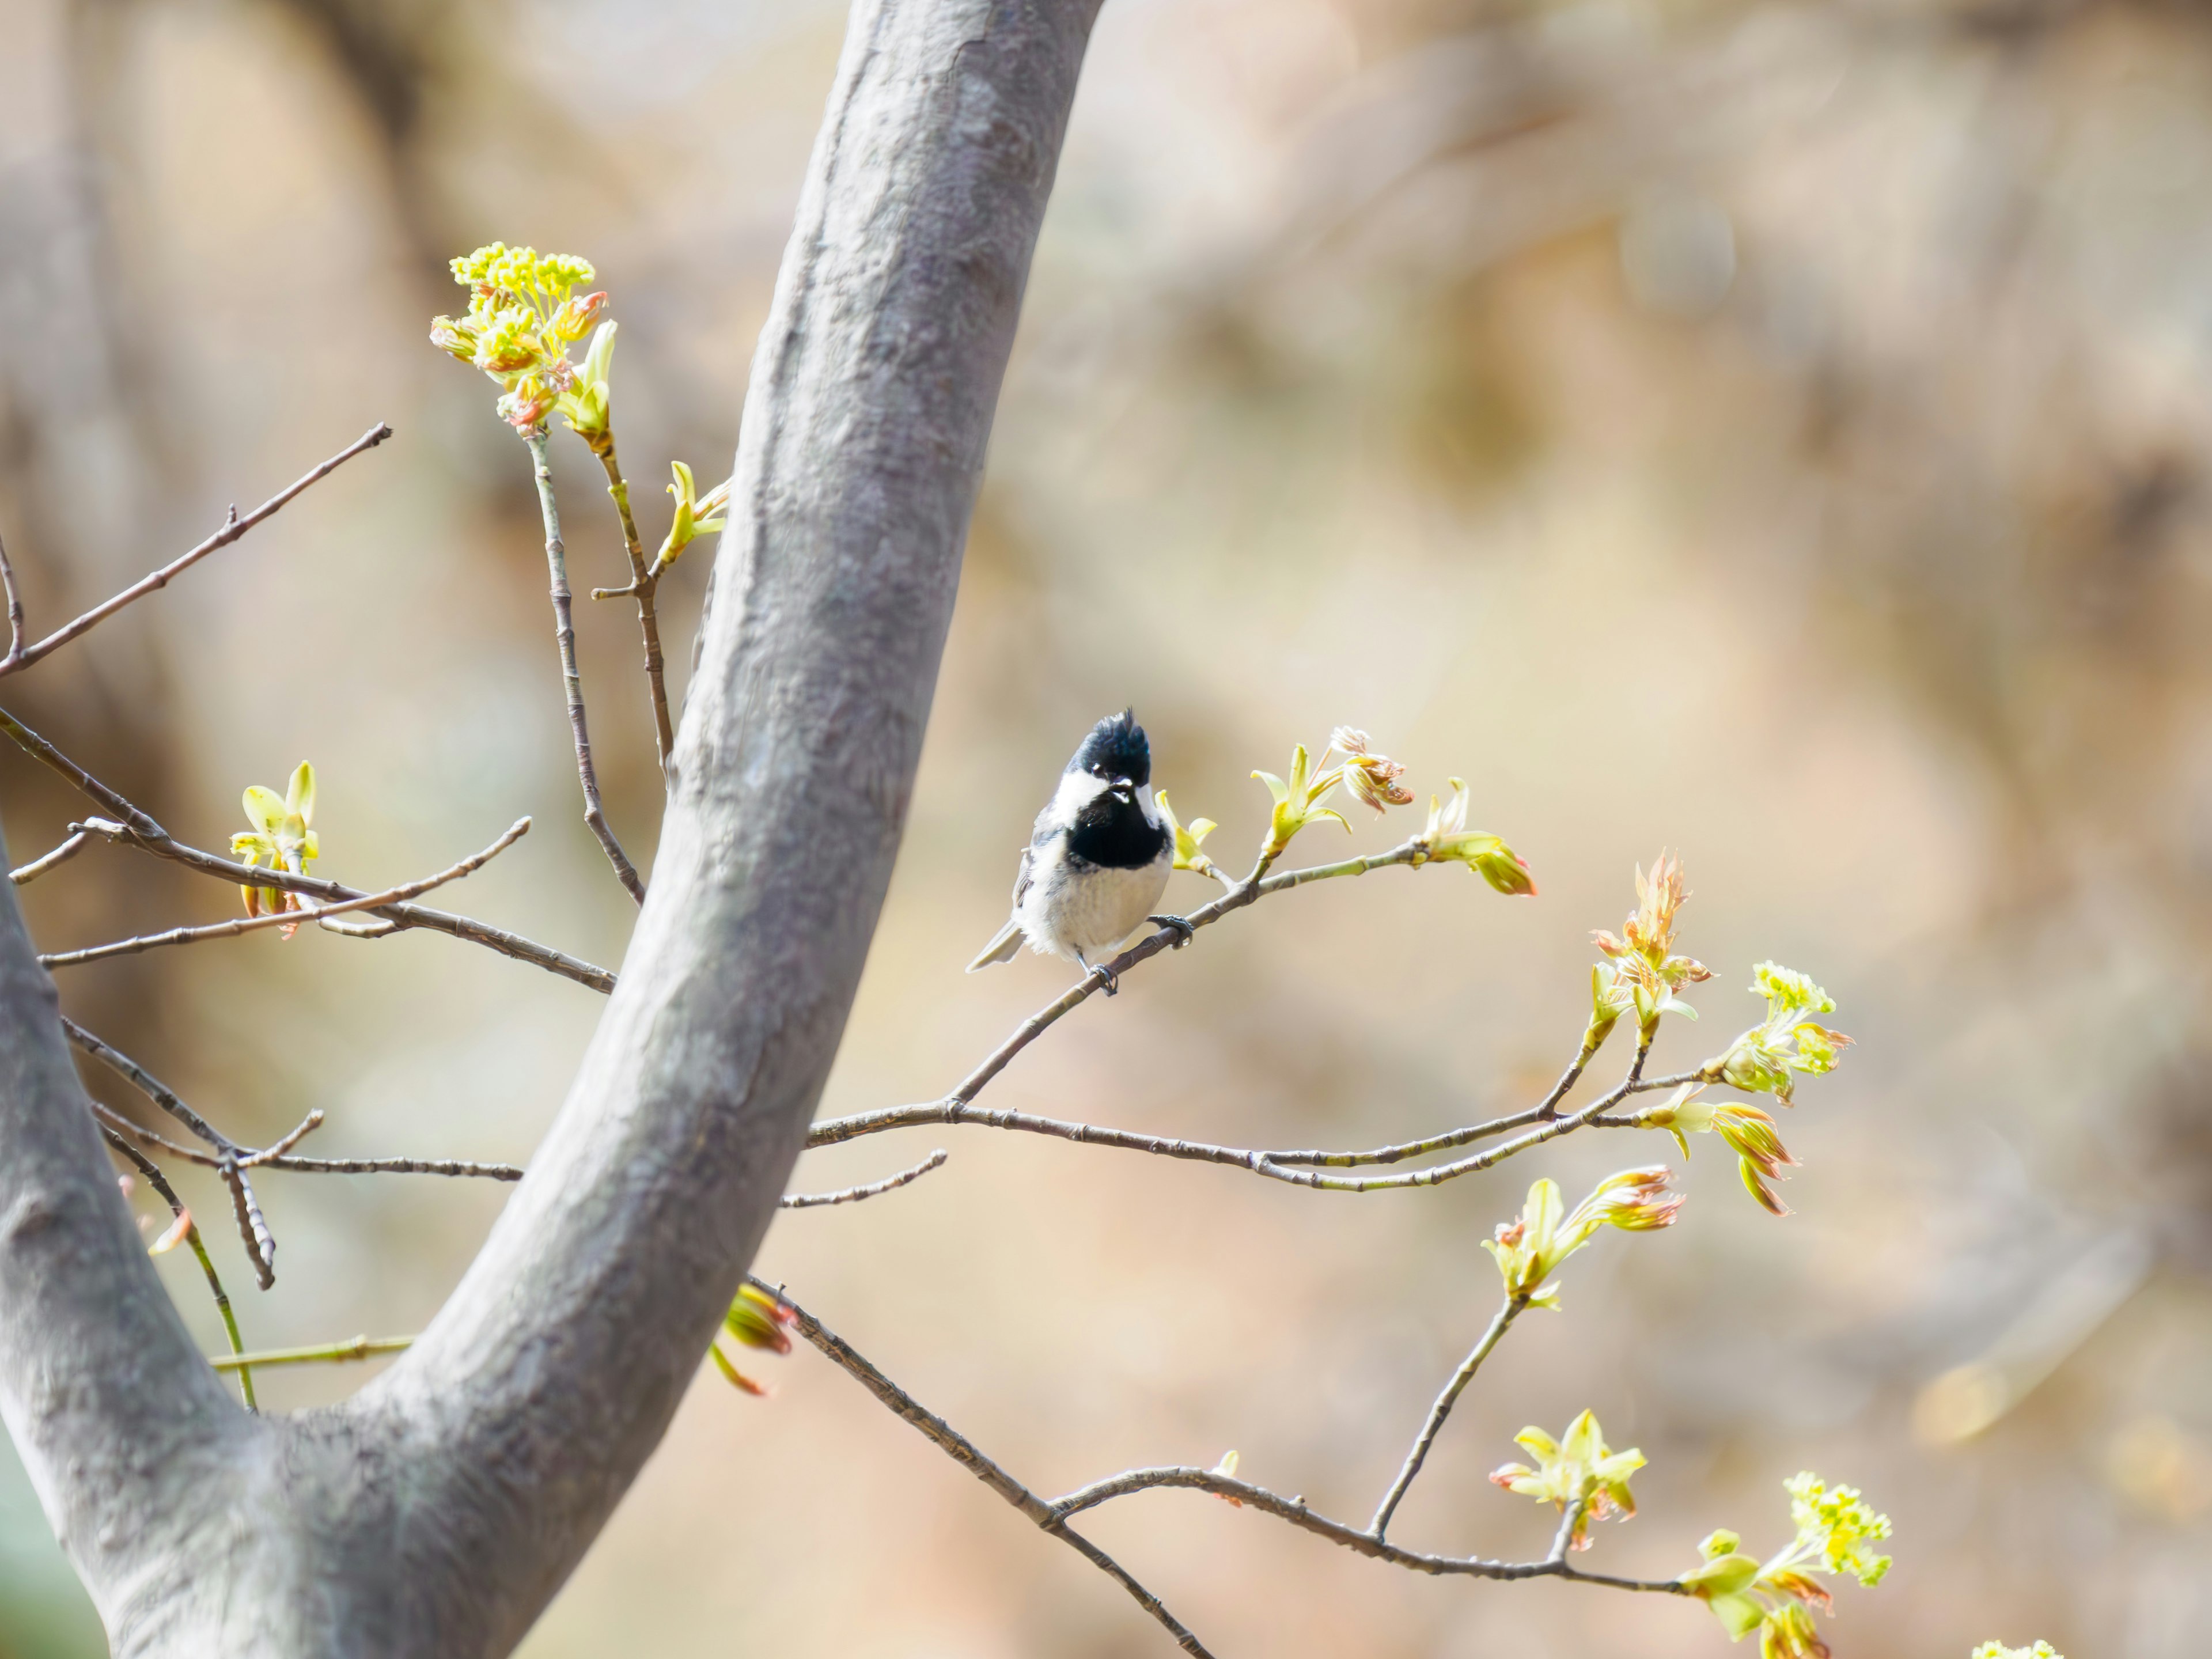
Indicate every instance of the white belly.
{"type": "Point", "coordinates": [1087, 909]}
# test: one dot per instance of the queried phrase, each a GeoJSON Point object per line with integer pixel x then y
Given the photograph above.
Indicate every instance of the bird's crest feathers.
{"type": "Point", "coordinates": [1116, 748]}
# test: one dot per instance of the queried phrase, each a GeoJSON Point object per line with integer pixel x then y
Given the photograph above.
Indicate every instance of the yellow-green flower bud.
{"type": "Point", "coordinates": [1188, 838]}
{"type": "Point", "coordinates": [1577, 1469]}
{"type": "Point", "coordinates": [1297, 801]}
{"type": "Point", "coordinates": [283, 838]}
{"type": "Point", "coordinates": [1446, 837]}
{"type": "Point", "coordinates": [758, 1321]}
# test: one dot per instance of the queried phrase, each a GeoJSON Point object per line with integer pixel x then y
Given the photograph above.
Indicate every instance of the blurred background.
{"type": "Point", "coordinates": [1778, 432]}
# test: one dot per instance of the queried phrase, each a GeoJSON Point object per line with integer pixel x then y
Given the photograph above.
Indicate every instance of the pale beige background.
{"type": "Point", "coordinates": [1776, 433]}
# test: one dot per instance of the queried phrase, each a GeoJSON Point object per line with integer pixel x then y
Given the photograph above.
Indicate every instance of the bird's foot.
{"type": "Point", "coordinates": [1107, 977]}
{"type": "Point", "coordinates": [1182, 926]}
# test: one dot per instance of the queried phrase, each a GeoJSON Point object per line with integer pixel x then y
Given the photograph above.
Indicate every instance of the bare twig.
{"type": "Point", "coordinates": [237, 926]}
{"type": "Point", "coordinates": [1254, 887]}
{"type": "Point", "coordinates": [1241, 894]}
{"type": "Point", "coordinates": [20, 656]}
{"type": "Point", "coordinates": [136, 823]}
{"type": "Point", "coordinates": [1294, 1510]}
{"type": "Point", "coordinates": [15, 610]}
{"type": "Point", "coordinates": [953, 1112]}
{"type": "Point", "coordinates": [253, 1225]}
{"type": "Point", "coordinates": [1507, 1312]}
{"type": "Point", "coordinates": [965, 1452]}
{"type": "Point", "coordinates": [565, 635]}
{"type": "Point", "coordinates": [642, 583]}
{"type": "Point", "coordinates": [1406, 1149]}
{"type": "Point", "coordinates": [146, 1085]}
{"type": "Point", "coordinates": [61, 854]}
{"type": "Point", "coordinates": [1053, 1517]}
{"type": "Point", "coordinates": [138, 828]}
{"type": "Point", "coordinates": [159, 1184]}
{"type": "Point", "coordinates": [854, 1195]}
{"type": "Point", "coordinates": [272, 1158]}
{"type": "Point", "coordinates": [360, 1348]}
{"type": "Point", "coordinates": [278, 1148]}
{"type": "Point", "coordinates": [110, 1119]}
{"type": "Point", "coordinates": [430, 1166]}
{"type": "Point", "coordinates": [356, 929]}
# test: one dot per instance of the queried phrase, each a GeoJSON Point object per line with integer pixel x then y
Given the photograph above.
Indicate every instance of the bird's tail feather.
{"type": "Point", "coordinates": [1001, 948]}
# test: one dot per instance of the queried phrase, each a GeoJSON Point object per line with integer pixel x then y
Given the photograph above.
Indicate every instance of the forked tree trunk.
{"type": "Point", "coordinates": [436, 1512]}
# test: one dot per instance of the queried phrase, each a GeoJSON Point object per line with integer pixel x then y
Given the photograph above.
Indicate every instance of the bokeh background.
{"type": "Point", "coordinates": [1779, 433]}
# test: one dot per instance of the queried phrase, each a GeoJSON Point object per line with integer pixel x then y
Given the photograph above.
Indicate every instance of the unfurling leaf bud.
{"type": "Point", "coordinates": [1226, 1469]}
{"type": "Point", "coordinates": [574, 319]}
{"type": "Point", "coordinates": [1372, 778]}
{"type": "Point", "coordinates": [1776, 1597]}
{"type": "Point", "coordinates": [1750, 1132]}
{"type": "Point", "coordinates": [1298, 801]}
{"type": "Point", "coordinates": [1188, 839]}
{"type": "Point", "coordinates": [283, 838]}
{"type": "Point", "coordinates": [1574, 1470]}
{"type": "Point", "coordinates": [1447, 838]}
{"type": "Point", "coordinates": [1767, 1057]}
{"type": "Point", "coordinates": [758, 1320]}
{"type": "Point", "coordinates": [1530, 1250]}
{"type": "Point", "coordinates": [175, 1236]}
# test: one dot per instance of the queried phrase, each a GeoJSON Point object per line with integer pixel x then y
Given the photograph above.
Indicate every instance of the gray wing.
{"type": "Point", "coordinates": [1008, 939]}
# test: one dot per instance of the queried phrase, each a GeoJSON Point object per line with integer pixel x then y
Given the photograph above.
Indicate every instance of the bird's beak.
{"type": "Point", "coordinates": [1123, 787]}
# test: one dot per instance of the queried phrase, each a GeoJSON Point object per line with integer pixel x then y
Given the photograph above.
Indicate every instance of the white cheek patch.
{"type": "Point", "coordinates": [1077, 791]}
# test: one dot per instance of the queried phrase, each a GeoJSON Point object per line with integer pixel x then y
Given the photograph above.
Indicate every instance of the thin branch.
{"type": "Point", "coordinates": [361, 1348]}
{"type": "Point", "coordinates": [954, 1112]}
{"type": "Point", "coordinates": [565, 635]}
{"type": "Point", "coordinates": [138, 828]}
{"type": "Point", "coordinates": [1404, 1149]}
{"type": "Point", "coordinates": [642, 583]}
{"type": "Point", "coordinates": [139, 825]}
{"type": "Point", "coordinates": [20, 656]}
{"type": "Point", "coordinates": [1548, 1107]}
{"type": "Point", "coordinates": [272, 1158]}
{"type": "Point", "coordinates": [252, 1226]}
{"type": "Point", "coordinates": [1593, 1039]}
{"type": "Point", "coordinates": [110, 1119]}
{"type": "Point", "coordinates": [952, 1108]}
{"type": "Point", "coordinates": [1245, 892]}
{"type": "Point", "coordinates": [964, 1451]}
{"type": "Point", "coordinates": [431, 1166]}
{"type": "Point", "coordinates": [15, 610]}
{"type": "Point", "coordinates": [278, 1148]}
{"type": "Point", "coordinates": [1508, 1311]}
{"type": "Point", "coordinates": [146, 1085]}
{"type": "Point", "coordinates": [240, 924]}
{"type": "Point", "coordinates": [61, 854]}
{"type": "Point", "coordinates": [159, 1184]}
{"type": "Point", "coordinates": [1294, 1510]}
{"type": "Point", "coordinates": [1415, 852]}
{"type": "Point", "coordinates": [1569, 1519]}
{"type": "Point", "coordinates": [357, 929]}
{"type": "Point", "coordinates": [854, 1195]}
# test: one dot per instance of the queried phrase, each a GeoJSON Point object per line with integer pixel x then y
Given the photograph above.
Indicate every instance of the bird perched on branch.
{"type": "Point", "coordinates": [1098, 860]}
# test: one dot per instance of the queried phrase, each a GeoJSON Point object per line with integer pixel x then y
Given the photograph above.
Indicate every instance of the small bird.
{"type": "Point", "coordinates": [1098, 860]}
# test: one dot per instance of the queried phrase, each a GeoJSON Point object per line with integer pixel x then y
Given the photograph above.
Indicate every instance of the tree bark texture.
{"type": "Point", "coordinates": [436, 1512]}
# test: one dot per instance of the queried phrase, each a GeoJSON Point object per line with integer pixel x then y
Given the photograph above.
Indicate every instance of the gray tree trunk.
{"type": "Point", "coordinates": [437, 1511]}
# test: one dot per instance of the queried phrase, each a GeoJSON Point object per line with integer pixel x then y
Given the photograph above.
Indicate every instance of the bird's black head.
{"type": "Point", "coordinates": [1115, 748]}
